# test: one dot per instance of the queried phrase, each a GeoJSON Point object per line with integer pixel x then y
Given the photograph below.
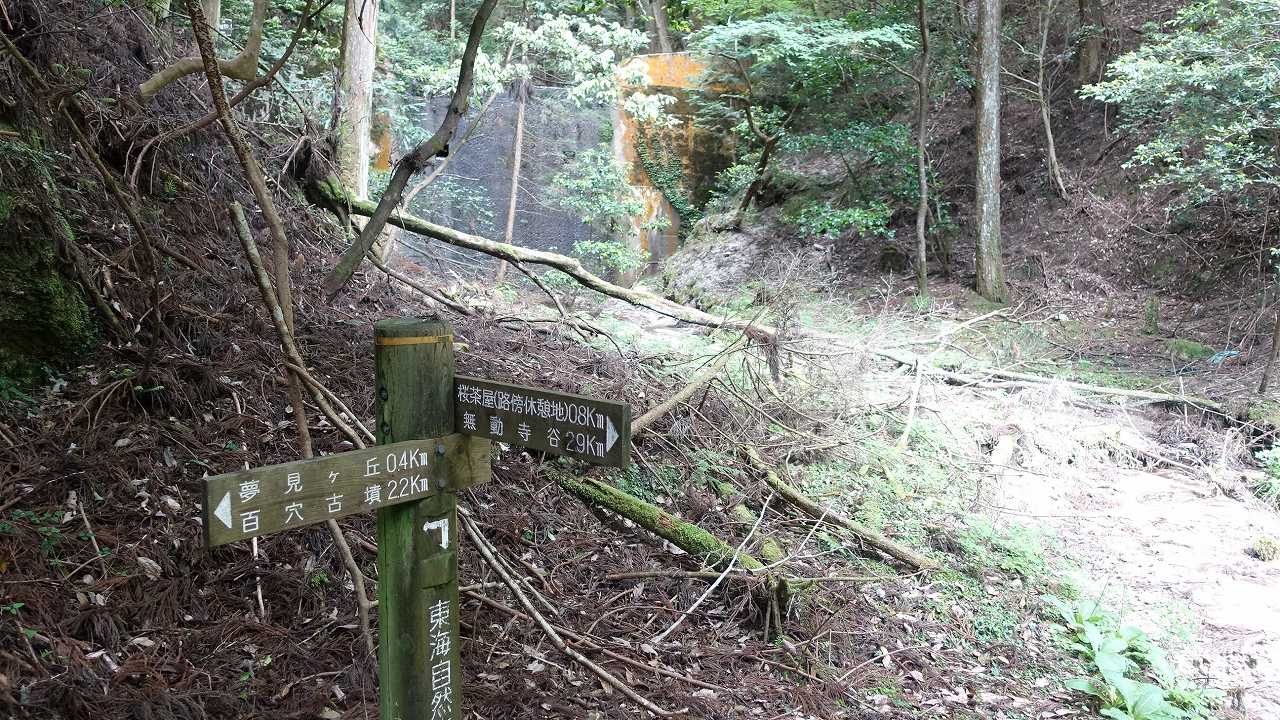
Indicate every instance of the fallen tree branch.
{"type": "Point", "coordinates": [241, 67]}
{"type": "Point", "coordinates": [591, 644]}
{"type": "Point", "coordinates": [298, 371]}
{"type": "Point", "coordinates": [415, 160]}
{"type": "Point", "coordinates": [651, 415]}
{"type": "Point", "coordinates": [709, 550]}
{"type": "Point", "coordinates": [487, 553]}
{"type": "Point", "coordinates": [331, 194]}
{"type": "Point", "coordinates": [1198, 403]}
{"type": "Point", "coordinates": [816, 511]}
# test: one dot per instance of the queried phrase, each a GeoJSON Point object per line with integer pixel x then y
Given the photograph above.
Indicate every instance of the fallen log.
{"type": "Point", "coordinates": [329, 194]}
{"type": "Point", "coordinates": [911, 359]}
{"type": "Point", "coordinates": [710, 551]}
{"type": "Point", "coordinates": [817, 512]}
{"type": "Point", "coordinates": [770, 550]}
{"type": "Point", "coordinates": [650, 416]}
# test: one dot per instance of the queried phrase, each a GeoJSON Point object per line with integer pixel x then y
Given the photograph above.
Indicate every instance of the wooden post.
{"type": "Point", "coordinates": [418, 659]}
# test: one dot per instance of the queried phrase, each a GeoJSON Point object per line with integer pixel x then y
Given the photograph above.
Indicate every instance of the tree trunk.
{"type": "Point", "coordinates": [1044, 90]}
{"type": "Point", "coordinates": [1094, 20]}
{"type": "Point", "coordinates": [762, 166]}
{"type": "Point", "coordinates": [355, 96]}
{"type": "Point", "coordinates": [517, 153]}
{"type": "Point", "coordinates": [1271, 360]}
{"type": "Point", "coordinates": [212, 14]}
{"type": "Point", "coordinates": [409, 164]}
{"type": "Point", "coordinates": [990, 270]}
{"type": "Point", "coordinates": [355, 101]}
{"type": "Point", "coordinates": [922, 133]}
{"type": "Point", "coordinates": [661, 25]}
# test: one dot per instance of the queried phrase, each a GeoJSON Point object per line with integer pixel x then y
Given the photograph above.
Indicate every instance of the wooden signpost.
{"type": "Point", "coordinates": [433, 436]}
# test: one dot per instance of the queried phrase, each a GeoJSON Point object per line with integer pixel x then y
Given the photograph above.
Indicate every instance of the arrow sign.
{"type": "Point", "coordinates": [610, 436]}
{"type": "Point", "coordinates": [223, 512]}
{"type": "Point", "coordinates": [269, 499]}
{"type": "Point", "coordinates": [559, 423]}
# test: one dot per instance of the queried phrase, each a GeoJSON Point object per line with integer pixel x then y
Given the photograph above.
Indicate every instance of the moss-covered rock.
{"type": "Point", "coordinates": [44, 320]}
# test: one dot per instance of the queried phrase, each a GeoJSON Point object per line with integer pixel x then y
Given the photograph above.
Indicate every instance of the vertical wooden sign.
{"type": "Point", "coordinates": [418, 659]}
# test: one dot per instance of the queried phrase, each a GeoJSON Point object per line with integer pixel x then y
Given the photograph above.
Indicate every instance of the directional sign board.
{"type": "Point", "coordinates": [597, 431]}
{"type": "Point", "coordinates": [255, 502]}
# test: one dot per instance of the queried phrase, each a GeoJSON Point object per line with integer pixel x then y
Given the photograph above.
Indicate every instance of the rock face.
{"type": "Point", "coordinates": [473, 193]}
{"type": "Point", "coordinates": [672, 167]}
{"type": "Point", "coordinates": [44, 321]}
{"type": "Point", "coordinates": [717, 261]}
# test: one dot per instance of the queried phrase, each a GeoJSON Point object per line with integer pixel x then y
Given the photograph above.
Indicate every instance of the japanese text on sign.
{"type": "Point", "coordinates": [590, 429]}
{"type": "Point", "coordinates": [281, 497]}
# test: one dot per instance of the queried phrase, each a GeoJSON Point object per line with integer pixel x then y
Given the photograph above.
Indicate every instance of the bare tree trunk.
{"type": "Point", "coordinates": [1271, 361]}
{"type": "Point", "coordinates": [990, 270]}
{"type": "Point", "coordinates": [408, 165]}
{"type": "Point", "coordinates": [1091, 60]}
{"type": "Point", "coordinates": [212, 13]}
{"type": "Point", "coordinates": [922, 131]}
{"type": "Point", "coordinates": [1044, 90]}
{"type": "Point", "coordinates": [661, 25]}
{"type": "Point", "coordinates": [355, 97]}
{"type": "Point", "coordinates": [517, 154]}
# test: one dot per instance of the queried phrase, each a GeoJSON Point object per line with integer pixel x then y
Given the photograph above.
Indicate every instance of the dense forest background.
{"type": "Point", "coordinates": [947, 328]}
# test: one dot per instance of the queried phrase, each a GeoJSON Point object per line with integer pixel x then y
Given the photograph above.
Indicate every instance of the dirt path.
{"type": "Point", "coordinates": [1166, 547]}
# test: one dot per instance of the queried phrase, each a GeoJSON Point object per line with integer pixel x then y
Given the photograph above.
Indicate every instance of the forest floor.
{"type": "Point", "coordinates": [1143, 509]}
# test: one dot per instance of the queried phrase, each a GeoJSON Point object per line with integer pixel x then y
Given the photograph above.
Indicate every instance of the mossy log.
{"type": "Point", "coordinates": [770, 550]}
{"type": "Point", "coordinates": [817, 512]}
{"type": "Point", "coordinates": [711, 551]}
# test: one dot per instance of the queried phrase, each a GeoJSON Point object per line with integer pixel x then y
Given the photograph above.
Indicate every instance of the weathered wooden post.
{"type": "Point", "coordinates": [434, 433]}
{"type": "Point", "coordinates": [418, 659]}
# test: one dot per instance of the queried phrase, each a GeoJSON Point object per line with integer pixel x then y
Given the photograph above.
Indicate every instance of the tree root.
{"type": "Point", "coordinates": [241, 67]}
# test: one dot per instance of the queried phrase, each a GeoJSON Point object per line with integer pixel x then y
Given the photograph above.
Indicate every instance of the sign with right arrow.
{"type": "Point", "coordinates": [590, 429]}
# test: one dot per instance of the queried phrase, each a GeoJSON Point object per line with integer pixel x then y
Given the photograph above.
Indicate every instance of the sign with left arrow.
{"type": "Point", "coordinates": [265, 500]}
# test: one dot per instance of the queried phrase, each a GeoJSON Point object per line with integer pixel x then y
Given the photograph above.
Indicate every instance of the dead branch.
{"type": "Point", "coordinates": [651, 415]}
{"type": "Point", "coordinates": [486, 551]}
{"type": "Point", "coordinates": [1196, 403]}
{"type": "Point", "coordinates": [589, 643]}
{"type": "Point", "coordinates": [334, 195]}
{"type": "Point", "coordinates": [241, 67]}
{"type": "Point", "coordinates": [298, 371]}
{"type": "Point", "coordinates": [249, 88]}
{"type": "Point", "coordinates": [410, 164]}
{"type": "Point", "coordinates": [816, 511]}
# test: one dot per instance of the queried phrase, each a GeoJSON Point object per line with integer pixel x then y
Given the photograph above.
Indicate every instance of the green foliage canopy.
{"type": "Point", "coordinates": [1205, 88]}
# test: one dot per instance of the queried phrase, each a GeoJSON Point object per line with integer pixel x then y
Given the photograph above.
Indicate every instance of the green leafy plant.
{"type": "Point", "coordinates": [1122, 658]}
{"type": "Point", "coordinates": [824, 220]}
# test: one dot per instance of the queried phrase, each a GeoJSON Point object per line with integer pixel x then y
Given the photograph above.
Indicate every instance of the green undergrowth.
{"type": "Point", "coordinates": [1128, 674]}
